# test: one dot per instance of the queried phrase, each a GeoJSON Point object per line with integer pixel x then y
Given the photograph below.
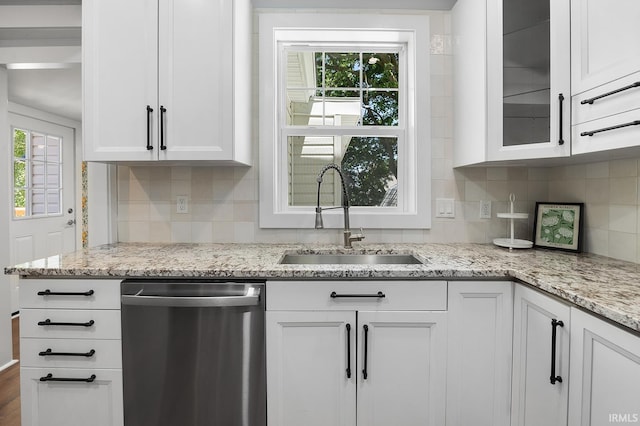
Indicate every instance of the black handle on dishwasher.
{"type": "Point", "coordinates": [378, 295]}
{"type": "Point", "coordinates": [49, 378]}
{"type": "Point", "coordinates": [48, 292]}
{"type": "Point", "coordinates": [348, 351]}
{"type": "Point", "coordinates": [366, 343]}
{"type": "Point", "coordinates": [149, 111]}
{"type": "Point", "coordinates": [162, 111]}
{"type": "Point", "coordinates": [554, 324]}
{"type": "Point", "coordinates": [49, 352]}
{"type": "Point", "coordinates": [613, 92]}
{"type": "Point", "coordinates": [560, 101]}
{"type": "Point", "coordinates": [72, 324]}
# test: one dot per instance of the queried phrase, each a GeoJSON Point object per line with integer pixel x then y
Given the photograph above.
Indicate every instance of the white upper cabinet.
{"type": "Point", "coordinates": [511, 82]}
{"type": "Point", "coordinates": [167, 80]}
{"type": "Point", "coordinates": [605, 80]}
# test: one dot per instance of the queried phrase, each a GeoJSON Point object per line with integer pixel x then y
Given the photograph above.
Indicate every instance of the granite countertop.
{"type": "Point", "coordinates": [607, 287]}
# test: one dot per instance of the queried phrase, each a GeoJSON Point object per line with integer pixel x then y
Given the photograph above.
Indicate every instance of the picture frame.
{"type": "Point", "coordinates": [559, 226]}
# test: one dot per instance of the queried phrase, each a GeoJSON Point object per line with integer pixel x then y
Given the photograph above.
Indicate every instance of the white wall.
{"type": "Point", "coordinates": [6, 347]}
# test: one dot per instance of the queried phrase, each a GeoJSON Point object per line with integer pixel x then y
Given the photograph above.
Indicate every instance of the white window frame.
{"type": "Point", "coordinates": [414, 159]}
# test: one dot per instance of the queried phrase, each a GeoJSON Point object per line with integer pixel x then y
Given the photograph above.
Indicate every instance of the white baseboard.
{"type": "Point", "coordinates": [9, 364]}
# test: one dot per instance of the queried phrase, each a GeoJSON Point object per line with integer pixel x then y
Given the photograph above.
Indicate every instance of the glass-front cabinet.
{"type": "Point", "coordinates": [511, 80]}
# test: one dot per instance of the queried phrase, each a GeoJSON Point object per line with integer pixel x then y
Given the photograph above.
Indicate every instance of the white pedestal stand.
{"type": "Point", "coordinates": [512, 242]}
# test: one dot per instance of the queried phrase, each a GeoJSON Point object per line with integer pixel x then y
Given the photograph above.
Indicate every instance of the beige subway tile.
{"type": "Point", "coordinates": [497, 173]}
{"type": "Point", "coordinates": [596, 216]}
{"type": "Point", "coordinates": [518, 173]}
{"type": "Point", "coordinates": [180, 173]}
{"type": "Point", "coordinates": [159, 231]}
{"type": "Point", "coordinates": [623, 168]}
{"type": "Point", "coordinates": [597, 170]}
{"type": "Point", "coordinates": [623, 245]}
{"type": "Point", "coordinates": [475, 191]}
{"type": "Point", "coordinates": [623, 190]}
{"type": "Point", "coordinates": [201, 232]}
{"type": "Point", "coordinates": [497, 190]}
{"type": "Point", "coordinates": [223, 232]}
{"type": "Point", "coordinates": [597, 191]}
{"type": "Point", "coordinates": [181, 232]}
{"type": "Point", "coordinates": [623, 218]}
{"type": "Point", "coordinates": [596, 241]}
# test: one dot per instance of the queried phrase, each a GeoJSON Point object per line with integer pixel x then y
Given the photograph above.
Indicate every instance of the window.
{"type": "Point", "coordinates": [344, 89]}
{"type": "Point", "coordinates": [37, 171]}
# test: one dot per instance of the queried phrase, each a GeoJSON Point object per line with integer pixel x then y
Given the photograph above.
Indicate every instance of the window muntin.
{"type": "Point", "coordinates": [37, 174]}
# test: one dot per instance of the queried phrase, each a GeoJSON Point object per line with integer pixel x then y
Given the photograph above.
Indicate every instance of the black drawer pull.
{"type": "Point", "coordinates": [348, 351]}
{"type": "Point", "coordinates": [553, 378]}
{"type": "Point", "coordinates": [365, 373]}
{"type": "Point", "coordinates": [162, 144]}
{"type": "Point", "coordinates": [49, 378]}
{"type": "Point", "coordinates": [149, 111]}
{"type": "Point", "coordinates": [560, 101]}
{"type": "Point", "coordinates": [71, 324]}
{"type": "Point", "coordinates": [590, 101]}
{"type": "Point", "coordinates": [379, 295]}
{"type": "Point", "coordinates": [48, 292]}
{"type": "Point", "coordinates": [606, 129]}
{"type": "Point", "coordinates": [49, 352]}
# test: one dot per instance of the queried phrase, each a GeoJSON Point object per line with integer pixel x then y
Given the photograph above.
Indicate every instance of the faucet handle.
{"type": "Point", "coordinates": [360, 236]}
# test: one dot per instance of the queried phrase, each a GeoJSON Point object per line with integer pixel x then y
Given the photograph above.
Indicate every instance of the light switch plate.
{"type": "Point", "coordinates": [445, 207]}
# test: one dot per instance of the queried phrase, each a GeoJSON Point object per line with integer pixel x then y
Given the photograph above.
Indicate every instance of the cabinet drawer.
{"type": "Point", "coordinates": [106, 324]}
{"type": "Point", "coordinates": [357, 295]}
{"type": "Point", "coordinates": [100, 294]}
{"type": "Point", "coordinates": [615, 138]}
{"type": "Point", "coordinates": [77, 403]}
{"type": "Point", "coordinates": [71, 353]}
{"type": "Point", "coordinates": [615, 103]}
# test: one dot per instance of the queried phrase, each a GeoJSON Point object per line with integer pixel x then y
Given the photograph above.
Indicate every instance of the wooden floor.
{"type": "Point", "coordinates": [10, 385]}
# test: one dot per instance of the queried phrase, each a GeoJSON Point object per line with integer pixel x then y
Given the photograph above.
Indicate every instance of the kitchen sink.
{"type": "Point", "coordinates": [350, 259]}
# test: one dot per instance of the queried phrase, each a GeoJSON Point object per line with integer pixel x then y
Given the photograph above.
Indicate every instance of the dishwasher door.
{"type": "Point", "coordinates": [193, 353]}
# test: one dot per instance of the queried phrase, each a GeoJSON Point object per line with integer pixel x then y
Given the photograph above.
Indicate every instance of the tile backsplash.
{"type": "Point", "coordinates": [223, 201]}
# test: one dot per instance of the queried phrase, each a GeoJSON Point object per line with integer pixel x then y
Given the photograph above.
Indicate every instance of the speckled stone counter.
{"type": "Point", "coordinates": [608, 287]}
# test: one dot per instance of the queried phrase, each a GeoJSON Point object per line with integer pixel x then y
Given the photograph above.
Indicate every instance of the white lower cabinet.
{"type": "Point", "coordinates": [71, 352]}
{"type": "Point", "coordinates": [605, 373]}
{"type": "Point", "coordinates": [537, 398]}
{"type": "Point", "coordinates": [71, 397]}
{"type": "Point", "coordinates": [479, 353]}
{"type": "Point", "coordinates": [365, 366]}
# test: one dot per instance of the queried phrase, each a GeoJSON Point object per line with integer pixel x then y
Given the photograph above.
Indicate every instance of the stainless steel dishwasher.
{"type": "Point", "coordinates": [193, 353]}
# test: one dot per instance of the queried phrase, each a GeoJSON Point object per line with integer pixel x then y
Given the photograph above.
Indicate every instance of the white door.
{"type": "Point", "coordinates": [43, 217]}
{"type": "Point", "coordinates": [605, 373]}
{"type": "Point", "coordinates": [402, 368]}
{"type": "Point", "coordinates": [536, 400]}
{"type": "Point", "coordinates": [308, 355]}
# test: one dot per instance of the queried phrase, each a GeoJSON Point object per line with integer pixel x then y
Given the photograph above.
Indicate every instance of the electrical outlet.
{"type": "Point", "coordinates": [485, 209]}
{"type": "Point", "coordinates": [182, 204]}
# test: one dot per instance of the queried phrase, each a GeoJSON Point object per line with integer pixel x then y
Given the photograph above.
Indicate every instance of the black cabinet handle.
{"type": "Point", "coordinates": [590, 101]}
{"type": "Point", "coordinates": [48, 292]}
{"type": "Point", "coordinates": [560, 101]}
{"type": "Point", "coordinates": [554, 324]}
{"type": "Point", "coordinates": [71, 324]}
{"type": "Point", "coordinates": [149, 111]}
{"type": "Point", "coordinates": [49, 378]}
{"type": "Point", "coordinates": [378, 295]}
{"type": "Point", "coordinates": [162, 111]}
{"type": "Point", "coordinates": [49, 352]}
{"type": "Point", "coordinates": [606, 129]}
{"type": "Point", "coordinates": [366, 344]}
{"type": "Point", "coordinates": [348, 351]}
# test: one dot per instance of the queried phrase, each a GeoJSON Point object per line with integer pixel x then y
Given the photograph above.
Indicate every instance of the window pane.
{"type": "Point", "coordinates": [37, 174]}
{"type": "Point", "coordinates": [369, 165]}
{"type": "Point", "coordinates": [19, 177]}
{"type": "Point", "coordinates": [38, 206]}
{"type": "Point", "coordinates": [38, 148]}
{"type": "Point", "coordinates": [19, 204]}
{"type": "Point", "coordinates": [380, 108]}
{"type": "Point", "coordinates": [19, 143]}
{"type": "Point", "coordinates": [301, 70]}
{"type": "Point", "coordinates": [53, 149]}
{"type": "Point", "coordinates": [341, 69]}
{"type": "Point", "coordinates": [53, 176]}
{"type": "Point", "coordinates": [380, 70]}
{"type": "Point", "coordinates": [53, 202]}
{"type": "Point", "coordinates": [301, 108]}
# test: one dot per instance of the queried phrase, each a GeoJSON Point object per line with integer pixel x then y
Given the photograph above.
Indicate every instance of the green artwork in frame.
{"type": "Point", "coordinates": [558, 226]}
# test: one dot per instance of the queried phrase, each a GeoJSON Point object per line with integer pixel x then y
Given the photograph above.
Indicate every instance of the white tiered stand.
{"type": "Point", "coordinates": [512, 242]}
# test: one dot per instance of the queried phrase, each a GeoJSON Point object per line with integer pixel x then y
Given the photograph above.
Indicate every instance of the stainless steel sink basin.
{"type": "Point", "coordinates": [350, 259]}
